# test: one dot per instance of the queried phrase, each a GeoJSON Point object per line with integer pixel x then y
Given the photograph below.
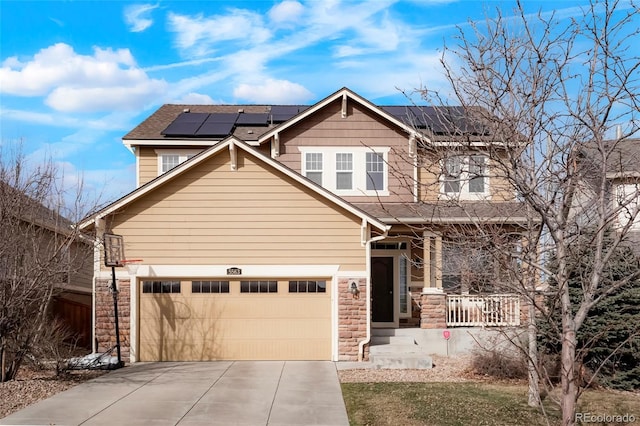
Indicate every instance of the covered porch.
{"type": "Point", "coordinates": [422, 285]}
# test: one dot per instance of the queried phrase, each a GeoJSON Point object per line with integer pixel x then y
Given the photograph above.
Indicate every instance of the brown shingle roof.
{"type": "Point", "coordinates": [489, 212]}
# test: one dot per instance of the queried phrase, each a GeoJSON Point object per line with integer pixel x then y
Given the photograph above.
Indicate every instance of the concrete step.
{"type": "Point", "coordinates": [399, 356]}
{"type": "Point", "coordinates": [395, 349]}
{"type": "Point", "coordinates": [416, 361]}
{"type": "Point", "coordinates": [394, 340]}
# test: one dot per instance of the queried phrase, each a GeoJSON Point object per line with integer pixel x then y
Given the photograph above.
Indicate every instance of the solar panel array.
{"type": "Point", "coordinates": [220, 124]}
{"type": "Point", "coordinates": [440, 120]}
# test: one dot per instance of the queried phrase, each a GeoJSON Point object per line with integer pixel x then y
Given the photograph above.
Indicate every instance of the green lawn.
{"type": "Point", "coordinates": [410, 404]}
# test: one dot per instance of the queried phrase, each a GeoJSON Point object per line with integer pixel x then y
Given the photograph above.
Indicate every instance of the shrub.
{"type": "Point", "coordinates": [499, 364]}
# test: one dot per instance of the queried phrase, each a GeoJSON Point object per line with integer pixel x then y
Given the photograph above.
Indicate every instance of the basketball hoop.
{"type": "Point", "coordinates": [132, 265]}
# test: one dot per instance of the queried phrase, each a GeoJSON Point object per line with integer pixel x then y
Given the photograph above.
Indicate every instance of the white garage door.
{"type": "Point", "coordinates": [198, 320]}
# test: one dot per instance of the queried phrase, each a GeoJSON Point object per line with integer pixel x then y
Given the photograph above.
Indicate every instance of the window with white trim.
{"type": "Point", "coordinates": [465, 177]}
{"type": "Point", "coordinates": [313, 166]}
{"type": "Point", "coordinates": [170, 158]}
{"type": "Point", "coordinates": [344, 170]}
{"type": "Point", "coordinates": [375, 171]}
{"type": "Point", "coordinates": [347, 171]}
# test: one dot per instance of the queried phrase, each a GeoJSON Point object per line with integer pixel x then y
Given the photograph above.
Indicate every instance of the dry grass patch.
{"type": "Point", "coordinates": [464, 404]}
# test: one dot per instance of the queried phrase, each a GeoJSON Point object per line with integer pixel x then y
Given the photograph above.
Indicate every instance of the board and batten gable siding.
{"type": "Point", "coordinates": [361, 128]}
{"type": "Point", "coordinates": [211, 215]}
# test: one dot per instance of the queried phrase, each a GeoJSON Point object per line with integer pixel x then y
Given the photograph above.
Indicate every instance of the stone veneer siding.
{"type": "Point", "coordinates": [105, 331]}
{"type": "Point", "coordinates": [434, 311]}
{"type": "Point", "coordinates": [352, 319]}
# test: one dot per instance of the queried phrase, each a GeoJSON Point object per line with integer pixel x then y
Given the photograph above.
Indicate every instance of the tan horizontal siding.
{"type": "Point", "coordinates": [212, 215]}
{"type": "Point", "coordinates": [148, 164]}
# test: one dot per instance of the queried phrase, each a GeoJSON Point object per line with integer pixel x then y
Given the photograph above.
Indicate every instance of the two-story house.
{"type": "Point", "coordinates": [289, 232]}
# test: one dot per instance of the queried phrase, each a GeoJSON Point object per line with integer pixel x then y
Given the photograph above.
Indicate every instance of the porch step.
{"type": "Point", "coordinates": [394, 340]}
{"type": "Point", "coordinates": [414, 361]}
{"type": "Point", "coordinates": [397, 352]}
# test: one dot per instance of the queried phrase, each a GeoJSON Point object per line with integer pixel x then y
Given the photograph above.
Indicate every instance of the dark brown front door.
{"type": "Point", "coordinates": [382, 289]}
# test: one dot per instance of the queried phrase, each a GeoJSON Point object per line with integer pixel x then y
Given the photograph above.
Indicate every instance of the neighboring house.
{"type": "Point", "coordinates": [265, 230]}
{"type": "Point", "coordinates": [61, 258]}
{"type": "Point", "coordinates": [622, 176]}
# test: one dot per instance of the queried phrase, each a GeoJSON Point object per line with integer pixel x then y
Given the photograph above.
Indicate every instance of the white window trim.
{"type": "Point", "coordinates": [183, 155]}
{"type": "Point", "coordinates": [359, 168]}
{"type": "Point", "coordinates": [464, 193]}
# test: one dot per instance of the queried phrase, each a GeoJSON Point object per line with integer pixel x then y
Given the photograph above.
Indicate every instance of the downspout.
{"type": "Point", "coordinates": [366, 232]}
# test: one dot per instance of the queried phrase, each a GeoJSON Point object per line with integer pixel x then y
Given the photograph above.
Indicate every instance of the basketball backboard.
{"type": "Point", "coordinates": [113, 250]}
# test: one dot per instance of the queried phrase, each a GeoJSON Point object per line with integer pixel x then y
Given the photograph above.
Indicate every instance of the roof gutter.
{"type": "Point", "coordinates": [453, 220]}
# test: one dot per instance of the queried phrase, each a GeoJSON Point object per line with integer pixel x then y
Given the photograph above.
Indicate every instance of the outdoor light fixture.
{"type": "Point", "coordinates": [354, 290]}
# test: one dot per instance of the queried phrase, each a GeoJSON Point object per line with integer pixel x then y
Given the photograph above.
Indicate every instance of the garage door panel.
{"type": "Point", "coordinates": [272, 326]}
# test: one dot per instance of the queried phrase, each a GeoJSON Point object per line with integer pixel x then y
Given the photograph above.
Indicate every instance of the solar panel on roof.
{"type": "Point", "coordinates": [213, 128]}
{"type": "Point", "coordinates": [281, 113]}
{"type": "Point", "coordinates": [256, 119]}
{"type": "Point", "coordinates": [285, 109]}
{"type": "Point", "coordinates": [186, 124]}
{"type": "Point", "coordinates": [222, 117]}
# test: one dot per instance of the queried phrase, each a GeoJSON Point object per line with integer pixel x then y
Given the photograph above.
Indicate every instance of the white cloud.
{"type": "Point", "coordinates": [195, 99]}
{"type": "Point", "coordinates": [286, 12]}
{"type": "Point", "coordinates": [137, 16]}
{"type": "Point", "coordinates": [273, 91]}
{"type": "Point", "coordinates": [108, 80]}
{"type": "Point", "coordinates": [199, 35]}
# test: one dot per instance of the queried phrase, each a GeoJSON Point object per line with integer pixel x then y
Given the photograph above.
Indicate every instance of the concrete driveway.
{"type": "Point", "coordinates": [199, 393]}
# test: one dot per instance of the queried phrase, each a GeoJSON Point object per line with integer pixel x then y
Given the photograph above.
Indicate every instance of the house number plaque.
{"type": "Point", "coordinates": [234, 271]}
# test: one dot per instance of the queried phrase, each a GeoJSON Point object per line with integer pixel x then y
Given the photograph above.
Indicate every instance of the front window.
{"type": "Point", "coordinates": [375, 171]}
{"type": "Point", "coordinates": [465, 177]}
{"type": "Point", "coordinates": [313, 166]}
{"type": "Point", "coordinates": [467, 269]}
{"type": "Point", "coordinates": [344, 171]}
{"type": "Point", "coordinates": [627, 204]}
{"type": "Point", "coordinates": [171, 158]}
{"type": "Point", "coordinates": [348, 171]}
{"type": "Point", "coordinates": [169, 161]}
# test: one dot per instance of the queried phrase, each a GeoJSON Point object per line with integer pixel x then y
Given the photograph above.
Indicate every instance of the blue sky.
{"type": "Point", "coordinates": [76, 76]}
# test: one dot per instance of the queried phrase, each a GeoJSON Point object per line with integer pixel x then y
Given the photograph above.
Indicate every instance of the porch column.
{"type": "Point", "coordinates": [434, 309]}
{"type": "Point", "coordinates": [426, 259]}
{"type": "Point", "coordinates": [432, 260]}
{"type": "Point", "coordinates": [433, 300]}
{"type": "Point", "coordinates": [438, 262]}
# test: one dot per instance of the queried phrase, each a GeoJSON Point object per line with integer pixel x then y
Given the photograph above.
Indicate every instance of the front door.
{"type": "Point", "coordinates": [382, 290]}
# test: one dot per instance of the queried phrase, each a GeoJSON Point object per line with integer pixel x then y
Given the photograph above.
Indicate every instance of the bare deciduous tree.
{"type": "Point", "coordinates": [548, 94]}
{"type": "Point", "coordinates": [38, 251]}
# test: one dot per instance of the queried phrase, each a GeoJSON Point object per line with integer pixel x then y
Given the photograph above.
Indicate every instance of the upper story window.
{"type": "Point", "coordinates": [375, 171]}
{"type": "Point", "coordinates": [170, 158]}
{"type": "Point", "coordinates": [313, 163]}
{"type": "Point", "coordinates": [627, 204]}
{"type": "Point", "coordinates": [344, 170]}
{"type": "Point", "coordinates": [465, 177]}
{"type": "Point", "coordinates": [347, 171]}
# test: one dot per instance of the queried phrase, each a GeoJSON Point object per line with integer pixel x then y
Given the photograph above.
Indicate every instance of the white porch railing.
{"type": "Point", "coordinates": [493, 310]}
